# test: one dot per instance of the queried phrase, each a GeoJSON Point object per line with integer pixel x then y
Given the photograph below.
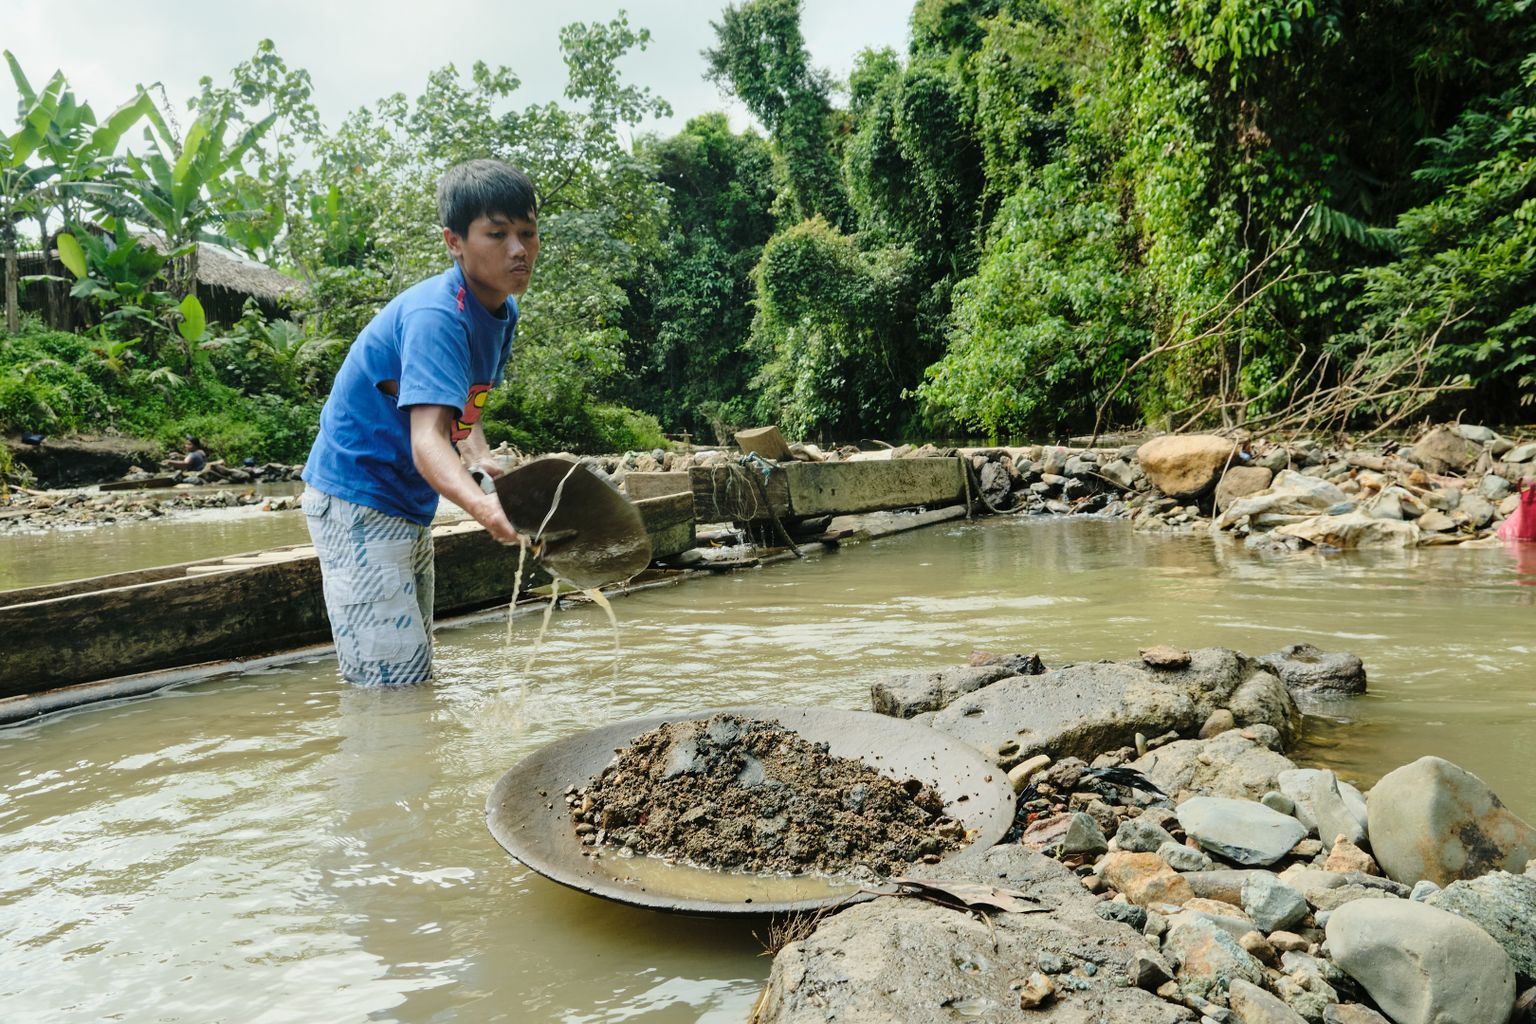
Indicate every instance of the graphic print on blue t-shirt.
{"type": "Point", "coordinates": [478, 395]}
{"type": "Point", "coordinates": [441, 347]}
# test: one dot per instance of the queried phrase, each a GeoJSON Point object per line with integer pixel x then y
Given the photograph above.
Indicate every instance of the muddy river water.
{"type": "Point", "coordinates": [277, 847]}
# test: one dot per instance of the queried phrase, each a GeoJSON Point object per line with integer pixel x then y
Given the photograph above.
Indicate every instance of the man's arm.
{"type": "Point", "coordinates": [439, 465]}
{"type": "Point", "coordinates": [476, 450]}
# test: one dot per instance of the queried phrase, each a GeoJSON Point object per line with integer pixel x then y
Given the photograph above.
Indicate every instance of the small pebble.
{"type": "Point", "coordinates": [1288, 942]}
{"type": "Point", "coordinates": [1038, 990]}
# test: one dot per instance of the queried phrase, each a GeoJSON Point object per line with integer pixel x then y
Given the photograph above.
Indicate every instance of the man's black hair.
{"type": "Point", "coordinates": [483, 188]}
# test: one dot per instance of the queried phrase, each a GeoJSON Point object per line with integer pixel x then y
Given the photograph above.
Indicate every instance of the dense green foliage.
{"type": "Point", "coordinates": [1193, 137]}
{"type": "Point", "coordinates": [1471, 250]}
{"type": "Point", "coordinates": [691, 311]}
{"type": "Point", "coordinates": [1046, 216]}
{"type": "Point", "coordinates": [1161, 211]}
{"type": "Point", "coordinates": [57, 382]}
{"type": "Point", "coordinates": [358, 226]}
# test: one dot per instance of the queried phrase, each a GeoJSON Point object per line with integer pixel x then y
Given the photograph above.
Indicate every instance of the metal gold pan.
{"type": "Point", "coordinates": [527, 814]}
{"type": "Point", "coordinates": [603, 537]}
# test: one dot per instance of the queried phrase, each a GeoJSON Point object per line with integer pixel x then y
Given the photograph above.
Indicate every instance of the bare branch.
{"type": "Point", "coordinates": [1227, 310]}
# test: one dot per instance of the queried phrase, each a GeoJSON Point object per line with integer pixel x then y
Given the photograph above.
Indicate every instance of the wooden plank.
{"type": "Point", "coordinates": [666, 510]}
{"type": "Point", "coordinates": [160, 625]}
{"type": "Point", "coordinates": [640, 486]}
{"type": "Point", "coordinates": [669, 520]}
{"type": "Point", "coordinates": [138, 485]}
{"type": "Point", "coordinates": [843, 488]}
{"type": "Point", "coordinates": [730, 493]}
{"type": "Point", "coordinates": [49, 591]}
{"type": "Point", "coordinates": [214, 609]}
{"type": "Point", "coordinates": [764, 441]}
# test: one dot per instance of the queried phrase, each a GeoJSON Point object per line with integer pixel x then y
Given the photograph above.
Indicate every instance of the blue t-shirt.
{"type": "Point", "coordinates": [441, 347]}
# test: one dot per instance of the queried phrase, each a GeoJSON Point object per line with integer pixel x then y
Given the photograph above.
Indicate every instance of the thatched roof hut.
{"type": "Point", "coordinates": [225, 279]}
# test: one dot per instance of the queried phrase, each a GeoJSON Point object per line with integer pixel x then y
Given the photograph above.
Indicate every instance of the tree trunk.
{"type": "Point", "coordinates": [12, 276]}
{"type": "Point", "coordinates": [59, 309]}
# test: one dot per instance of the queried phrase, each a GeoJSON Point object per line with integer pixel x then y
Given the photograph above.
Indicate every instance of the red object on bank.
{"type": "Point", "coordinates": [1521, 524]}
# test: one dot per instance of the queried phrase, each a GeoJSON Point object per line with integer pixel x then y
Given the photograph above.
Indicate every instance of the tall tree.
{"type": "Point", "coordinates": [762, 59]}
{"type": "Point", "coordinates": [262, 88]}
{"type": "Point", "coordinates": [689, 361]}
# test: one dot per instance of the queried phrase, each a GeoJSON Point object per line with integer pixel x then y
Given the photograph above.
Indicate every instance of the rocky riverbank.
{"type": "Point", "coordinates": [1456, 482]}
{"type": "Point", "coordinates": [24, 510]}
{"type": "Point", "coordinates": [1192, 871]}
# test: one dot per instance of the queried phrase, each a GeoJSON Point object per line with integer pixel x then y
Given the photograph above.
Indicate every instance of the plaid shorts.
{"type": "Point", "coordinates": [378, 589]}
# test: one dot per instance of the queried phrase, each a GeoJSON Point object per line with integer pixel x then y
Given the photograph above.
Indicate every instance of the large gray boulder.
{"type": "Point", "coordinates": [919, 963]}
{"type": "Point", "coordinates": [1185, 465]}
{"type": "Point", "coordinates": [1326, 803]}
{"type": "Point", "coordinates": [1433, 819]}
{"type": "Point", "coordinates": [1084, 710]}
{"type": "Point", "coordinates": [1241, 481]}
{"type": "Point", "coordinates": [1422, 965]}
{"type": "Point", "coordinates": [907, 694]}
{"type": "Point", "coordinates": [1443, 450]}
{"type": "Point", "coordinates": [1504, 906]}
{"type": "Point", "coordinates": [1241, 831]}
{"type": "Point", "coordinates": [1307, 669]}
{"type": "Point", "coordinates": [1236, 763]}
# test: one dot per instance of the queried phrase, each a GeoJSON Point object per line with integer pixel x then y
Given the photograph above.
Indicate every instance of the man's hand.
{"type": "Point", "coordinates": [439, 465]}
{"type": "Point", "coordinates": [487, 510]}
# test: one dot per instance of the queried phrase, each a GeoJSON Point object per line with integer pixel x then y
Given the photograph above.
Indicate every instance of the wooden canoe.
{"type": "Point", "coordinates": [241, 605]}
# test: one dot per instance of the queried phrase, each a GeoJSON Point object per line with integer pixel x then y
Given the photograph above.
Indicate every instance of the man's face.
{"type": "Point", "coordinates": [497, 254]}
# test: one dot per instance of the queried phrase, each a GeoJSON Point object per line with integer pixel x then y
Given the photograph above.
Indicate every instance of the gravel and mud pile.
{"type": "Point", "coordinates": [749, 795]}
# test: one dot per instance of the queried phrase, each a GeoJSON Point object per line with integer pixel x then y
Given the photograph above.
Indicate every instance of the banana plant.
{"type": "Point", "coordinates": [184, 189]}
{"type": "Point", "coordinates": [80, 148]}
{"type": "Point", "coordinates": [58, 148]}
{"type": "Point", "coordinates": [119, 273]}
{"type": "Point", "coordinates": [24, 181]}
{"type": "Point", "coordinates": [113, 269]}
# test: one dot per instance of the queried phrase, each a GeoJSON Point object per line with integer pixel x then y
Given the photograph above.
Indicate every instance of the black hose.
{"type": "Point", "coordinates": [972, 475]}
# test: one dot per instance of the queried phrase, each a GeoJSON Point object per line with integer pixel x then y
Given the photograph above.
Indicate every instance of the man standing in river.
{"type": "Point", "coordinates": [402, 423]}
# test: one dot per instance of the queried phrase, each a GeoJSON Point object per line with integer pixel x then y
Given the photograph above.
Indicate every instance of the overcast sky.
{"type": "Point", "coordinates": [357, 51]}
